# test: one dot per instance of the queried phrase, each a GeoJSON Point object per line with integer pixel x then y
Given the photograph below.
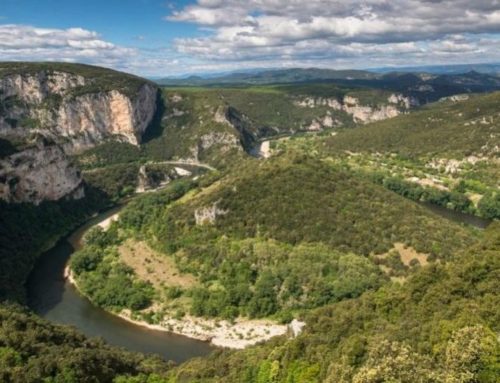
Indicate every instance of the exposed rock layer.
{"type": "Point", "coordinates": [65, 107]}
{"type": "Point", "coordinates": [37, 174]}
{"type": "Point", "coordinates": [396, 104]}
{"type": "Point", "coordinates": [73, 113]}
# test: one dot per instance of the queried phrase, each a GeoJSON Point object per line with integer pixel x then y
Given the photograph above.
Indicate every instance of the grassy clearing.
{"type": "Point", "coordinates": [151, 266]}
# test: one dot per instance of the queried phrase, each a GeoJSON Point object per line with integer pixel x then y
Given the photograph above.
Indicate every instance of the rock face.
{"type": "Point", "coordinates": [58, 105]}
{"type": "Point", "coordinates": [71, 112]}
{"type": "Point", "coordinates": [37, 174]}
{"type": "Point", "coordinates": [395, 105]}
{"type": "Point", "coordinates": [208, 214]}
{"type": "Point", "coordinates": [34, 88]}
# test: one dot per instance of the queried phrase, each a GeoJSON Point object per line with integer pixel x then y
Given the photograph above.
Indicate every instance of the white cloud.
{"type": "Point", "coordinates": [28, 43]}
{"type": "Point", "coordinates": [239, 34]}
{"type": "Point", "coordinates": [285, 31]}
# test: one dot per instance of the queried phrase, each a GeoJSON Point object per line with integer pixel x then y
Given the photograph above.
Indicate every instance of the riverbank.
{"type": "Point", "coordinates": [236, 334]}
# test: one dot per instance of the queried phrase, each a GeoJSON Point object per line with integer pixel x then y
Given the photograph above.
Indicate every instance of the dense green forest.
{"type": "Point", "coordinates": [439, 326]}
{"type": "Point", "coordinates": [32, 350]}
{"type": "Point", "coordinates": [249, 261]}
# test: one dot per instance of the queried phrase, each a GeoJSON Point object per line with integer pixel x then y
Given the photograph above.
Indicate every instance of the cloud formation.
{"type": "Point", "coordinates": [286, 31]}
{"type": "Point", "coordinates": [235, 34]}
{"type": "Point", "coordinates": [28, 43]}
{"type": "Point", "coordinates": [19, 42]}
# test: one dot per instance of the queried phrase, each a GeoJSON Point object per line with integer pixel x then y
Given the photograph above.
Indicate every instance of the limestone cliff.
{"type": "Point", "coordinates": [361, 113]}
{"type": "Point", "coordinates": [72, 110]}
{"type": "Point", "coordinates": [68, 108]}
{"type": "Point", "coordinates": [42, 172]}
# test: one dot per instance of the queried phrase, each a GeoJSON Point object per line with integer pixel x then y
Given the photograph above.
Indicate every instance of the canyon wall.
{"type": "Point", "coordinates": [51, 114]}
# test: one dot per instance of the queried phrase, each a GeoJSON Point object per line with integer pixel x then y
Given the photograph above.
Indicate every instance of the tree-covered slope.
{"type": "Point", "coordinates": [299, 199]}
{"type": "Point", "coordinates": [445, 153]}
{"type": "Point", "coordinates": [27, 230]}
{"type": "Point", "coordinates": [32, 350]}
{"type": "Point", "coordinates": [440, 326]}
{"type": "Point", "coordinates": [247, 237]}
{"type": "Point", "coordinates": [452, 129]}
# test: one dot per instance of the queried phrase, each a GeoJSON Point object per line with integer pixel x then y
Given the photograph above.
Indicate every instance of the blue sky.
{"type": "Point", "coordinates": [124, 22]}
{"type": "Point", "coordinates": [162, 38]}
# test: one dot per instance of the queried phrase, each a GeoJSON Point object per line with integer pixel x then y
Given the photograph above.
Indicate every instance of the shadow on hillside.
{"type": "Point", "coordinates": [155, 128]}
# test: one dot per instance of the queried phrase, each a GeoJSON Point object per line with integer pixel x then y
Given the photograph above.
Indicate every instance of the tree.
{"type": "Point", "coordinates": [264, 301]}
{"type": "Point", "coordinates": [489, 206]}
{"type": "Point", "coordinates": [472, 354]}
{"type": "Point", "coordinates": [394, 362]}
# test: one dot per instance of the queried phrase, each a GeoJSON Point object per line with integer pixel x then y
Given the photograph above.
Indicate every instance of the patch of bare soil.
{"type": "Point", "coordinates": [152, 266]}
{"type": "Point", "coordinates": [409, 253]}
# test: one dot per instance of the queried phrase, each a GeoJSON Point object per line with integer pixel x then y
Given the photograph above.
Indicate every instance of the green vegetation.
{"type": "Point", "coordinates": [321, 203]}
{"type": "Point", "coordinates": [439, 326]}
{"type": "Point", "coordinates": [446, 129]}
{"type": "Point", "coordinates": [27, 230]}
{"type": "Point", "coordinates": [250, 261]}
{"type": "Point", "coordinates": [107, 154]}
{"type": "Point", "coordinates": [115, 181]}
{"type": "Point", "coordinates": [191, 130]}
{"type": "Point", "coordinates": [444, 153]}
{"type": "Point", "coordinates": [327, 232]}
{"type": "Point", "coordinates": [100, 274]}
{"type": "Point", "coordinates": [451, 200]}
{"type": "Point", "coordinates": [104, 279]}
{"type": "Point", "coordinates": [489, 206]}
{"type": "Point", "coordinates": [32, 350]}
{"type": "Point", "coordinates": [272, 111]}
{"type": "Point", "coordinates": [280, 284]}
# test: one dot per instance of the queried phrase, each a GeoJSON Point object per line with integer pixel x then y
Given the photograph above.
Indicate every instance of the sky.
{"type": "Point", "coordinates": [157, 38]}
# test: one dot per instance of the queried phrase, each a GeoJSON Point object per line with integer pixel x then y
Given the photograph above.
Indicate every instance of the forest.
{"type": "Point", "coordinates": [249, 262]}
{"type": "Point", "coordinates": [439, 326]}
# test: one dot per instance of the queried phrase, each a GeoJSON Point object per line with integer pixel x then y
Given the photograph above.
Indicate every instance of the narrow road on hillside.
{"type": "Point", "coordinates": [182, 162]}
{"type": "Point", "coordinates": [178, 163]}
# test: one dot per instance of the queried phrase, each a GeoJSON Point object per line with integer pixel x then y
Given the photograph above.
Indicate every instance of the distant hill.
{"type": "Point", "coordinates": [492, 68]}
{"type": "Point", "coordinates": [425, 86]}
{"type": "Point", "coordinates": [272, 77]}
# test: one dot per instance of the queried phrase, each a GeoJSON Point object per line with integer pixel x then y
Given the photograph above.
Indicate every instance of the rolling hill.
{"type": "Point", "coordinates": [248, 260]}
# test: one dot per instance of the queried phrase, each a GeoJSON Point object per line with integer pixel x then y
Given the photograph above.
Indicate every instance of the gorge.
{"type": "Point", "coordinates": [329, 211]}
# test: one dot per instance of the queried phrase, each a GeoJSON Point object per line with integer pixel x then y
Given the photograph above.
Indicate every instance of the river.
{"type": "Point", "coordinates": [51, 296]}
{"type": "Point", "coordinates": [456, 216]}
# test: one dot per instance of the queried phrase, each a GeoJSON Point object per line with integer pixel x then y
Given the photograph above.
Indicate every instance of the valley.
{"type": "Point", "coordinates": [312, 231]}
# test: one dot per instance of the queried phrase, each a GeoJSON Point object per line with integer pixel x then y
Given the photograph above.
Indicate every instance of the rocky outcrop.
{"type": "Point", "coordinates": [208, 215]}
{"type": "Point", "coordinates": [35, 88]}
{"type": "Point", "coordinates": [39, 173]}
{"type": "Point", "coordinates": [73, 113]}
{"type": "Point", "coordinates": [70, 110]}
{"type": "Point", "coordinates": [365, 114]}
{"type": "Point", "coordinates": [455, 98]}
{"type": "Point", "coordinates": [395, 105]}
